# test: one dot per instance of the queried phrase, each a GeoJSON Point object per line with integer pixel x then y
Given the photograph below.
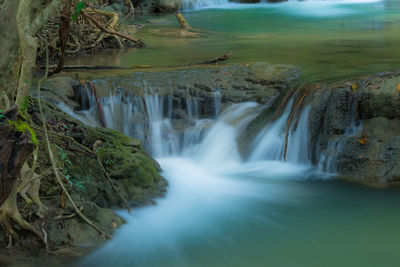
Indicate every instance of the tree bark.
{"type": "Point", "coordinates": [63, 33]}
{"type": "Point", "coordinates": [9, 45]}
{"type": "Point", "coordinates": [15, 148]}
{"type": "Point", "coordinates": [28, 25]}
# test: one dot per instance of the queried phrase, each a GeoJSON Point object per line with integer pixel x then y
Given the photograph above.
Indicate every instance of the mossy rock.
{"type": "Point", "coordinates": [124, 158]}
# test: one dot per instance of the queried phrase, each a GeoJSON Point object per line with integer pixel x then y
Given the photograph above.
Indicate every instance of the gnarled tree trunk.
{"type": "Point", "coordinates": [15, 148]}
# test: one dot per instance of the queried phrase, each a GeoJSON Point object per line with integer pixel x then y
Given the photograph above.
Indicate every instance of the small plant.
{"type": "Point", "coordinates": [1, 116]}
{"type": "Point", "coordinates": [73, 182]}
{"type": "Point", "coordinates": [109, 162]}
{"type": "Point", "coordinates": [63, 156]}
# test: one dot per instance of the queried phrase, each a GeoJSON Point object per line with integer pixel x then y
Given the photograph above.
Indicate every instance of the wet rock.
{"type": "Point", "coordinates": [59, 89]}
{"type": "Point", "coordinates": [203, 90]}
{"type": "Point", "coordinates": [343, 113]}
{"type": "Point", "coordinates": [233, 84]}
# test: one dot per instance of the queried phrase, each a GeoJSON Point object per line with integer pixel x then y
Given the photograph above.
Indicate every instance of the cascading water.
{"type": "Point", "coordinates": [219, 210]}
{"type": "Point", "coordinates": [270, 142]}
{"type": "Point", "coordinates": [210, 141]}
{"type": "Point", "coordinates": [200, 4]}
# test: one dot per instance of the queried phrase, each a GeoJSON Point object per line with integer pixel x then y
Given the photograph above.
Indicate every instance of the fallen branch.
{"type": "Point", "coordinates": [182, 21]}
{"type": "Point", "coordinates": [297, 106]}
{"type": "Point", "coordinates": [216, 60]}
{"type": "Point", "coordinates": [103, 29]}
{"type": "Point", "coordinates": [103, 119]}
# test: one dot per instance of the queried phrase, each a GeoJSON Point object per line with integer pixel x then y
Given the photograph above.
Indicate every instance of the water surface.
{"type": "Point", "coordinates": [326, 39]}
{"type": "Point", "coordinates": [223, 211]}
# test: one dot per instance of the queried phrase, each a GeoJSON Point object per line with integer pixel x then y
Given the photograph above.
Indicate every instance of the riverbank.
{"type": "Point", "coordinates": [103, 171]}
{"type": "Point", "coordinates": [339, 116]}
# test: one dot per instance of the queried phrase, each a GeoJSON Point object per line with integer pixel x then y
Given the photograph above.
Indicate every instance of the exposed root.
{"type": "Point", "coordinates": [107, 29]}
{"type": "Point", "coordinates": [63, 33]}
{"type": "Point", "coordinates": [54, 162]}
{"type": "Point", "coordinates": [100, 108]}
{"type": "Point", "coordinates": [4, 101]}
{"type": "Point", "coordinates": [9, 212]}
{"type": "Point", "coordinates": [297, 106]}
{"type": "Point", "coordinates": [113, 186]}
{"type": "Point", "coordinates": [95, 29]}
{"type": "Point", "coordinates": [92, 153]}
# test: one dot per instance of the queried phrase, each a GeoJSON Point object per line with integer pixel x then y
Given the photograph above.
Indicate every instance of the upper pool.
{"type": "Point", "coordinates": [326, 39]}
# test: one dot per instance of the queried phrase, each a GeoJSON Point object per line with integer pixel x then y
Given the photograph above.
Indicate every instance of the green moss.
{"type": "Point", "coordinates": [21, 126]}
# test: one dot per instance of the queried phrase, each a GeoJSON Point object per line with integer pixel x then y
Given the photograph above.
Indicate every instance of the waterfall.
{"type": "Point", "coordinates": [169, 126]}
{"type": "Point", "coordinates": [270, 142]}
{"type": "Point", "coordinates": [150, 118]}
{"type": "Point", "coordinates": [187, 5]}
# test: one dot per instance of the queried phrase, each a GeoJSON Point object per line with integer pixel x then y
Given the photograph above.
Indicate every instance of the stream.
{"type": "Point", "coordinates": [327, 39]}
{"type": "Point", "coordinates": [225, 210]}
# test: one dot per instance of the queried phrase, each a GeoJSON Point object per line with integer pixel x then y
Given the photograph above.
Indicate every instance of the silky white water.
{"type": "Point", "coordinates": [223, 210]}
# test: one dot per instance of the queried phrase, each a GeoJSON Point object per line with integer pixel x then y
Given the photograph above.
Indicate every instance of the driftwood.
{"type": "Point", "coordinates": [103, 29]}
{"type": "Point", "coordinates": [15, 148]}
{"type": "Point", "coordinates": [216, 60]}
{"type": "Point", "coordinates": [182, 21]}
{"type": "Point", "coordinates": [93, 88]}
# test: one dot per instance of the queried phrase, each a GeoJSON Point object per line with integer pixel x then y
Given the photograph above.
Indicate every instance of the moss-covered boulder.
{"type": "Point", "coordinates": [85, 157]}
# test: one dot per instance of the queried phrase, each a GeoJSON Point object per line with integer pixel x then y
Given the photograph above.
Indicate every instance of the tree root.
{"type": "Point", "coordinates": [54, 162]}
{"type": "Point", "coordinates": [4, 101]}
{"type": "Point", "coordinates": [100, 108]}
{"type": "Point", "coordinates": [104, 29]}
{"type": "Point", "coordinates": [92, 153]}
{"type": "Point", "coordinates": [297, 106]}
{"type": "Point", "coordinates": [9, 211]}
{"type": "Point", "coordinates": [113, 186]}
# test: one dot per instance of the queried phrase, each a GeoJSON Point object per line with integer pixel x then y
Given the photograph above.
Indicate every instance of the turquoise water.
{"type": "Point", "coordinates": [325, 39]}
{"type": "Point", "coordinates": [277, 214]}
{"type": "Point", "coordinates": [271, 220]}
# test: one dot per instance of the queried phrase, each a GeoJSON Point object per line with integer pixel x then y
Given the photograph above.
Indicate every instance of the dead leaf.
{"type": "Point", "coordinates": [363, 139]}
{"type": "Point", "coordinates": [354, 86]}
{"type": "Point", "coordinates": [398, 87]}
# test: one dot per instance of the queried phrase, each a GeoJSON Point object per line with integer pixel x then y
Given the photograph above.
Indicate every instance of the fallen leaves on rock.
{"type": "Point", "coordinates": [363, 139]}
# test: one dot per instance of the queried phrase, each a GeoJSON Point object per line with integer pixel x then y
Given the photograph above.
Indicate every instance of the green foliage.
{"type": "Point", "coordinates": [63, 156]}
{"type": "Point", "coordinates": [73, 182]}
{"type": "Point", "coordinates": [109, 162]}
{"type": "Point", "coordinates": [25, 104]}
{"type": "Point", "coordinates": [1, 116]}
{"type": "Point", "coordinates": [21, 126]}
{"type": "Point", "coordinates": [81, 5]}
